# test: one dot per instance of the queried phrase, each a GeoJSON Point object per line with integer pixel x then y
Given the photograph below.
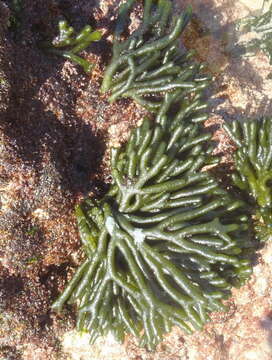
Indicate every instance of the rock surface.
{"type": "Point", "coordinates": [55, 132]}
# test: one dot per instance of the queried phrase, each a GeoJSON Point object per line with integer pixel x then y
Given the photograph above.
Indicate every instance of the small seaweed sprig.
{"type": "Point", "coordinates": [150, 62]}
{"type": "Point", "coordinates": [253, 167]}
{"type": "Point", "coordinates": [68, 45]}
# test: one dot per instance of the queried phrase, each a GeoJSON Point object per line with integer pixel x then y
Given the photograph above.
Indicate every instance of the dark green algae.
{"type": "Point", "coordinates": [253, 169]}
{"type": "Point", "coordinates": [69, 45]}
{"type": "Point", "coordinates": [166, 244]}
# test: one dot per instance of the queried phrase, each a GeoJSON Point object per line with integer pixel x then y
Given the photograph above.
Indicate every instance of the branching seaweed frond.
{"type": "Point", "coordinates": [163, 247]}
{"type": "Point", "coordinates": [159, 162]}
{"type": "Point", "coordinates": [253, 167]}
{"type": "Point", "coordinates": [150, 62]}
{"type": "Point", "coordinates": [68, 45]}
{"type": "Point", "coordinates": [261, 25]}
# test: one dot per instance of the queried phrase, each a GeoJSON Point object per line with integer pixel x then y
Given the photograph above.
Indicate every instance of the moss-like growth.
{"type": "Point", "coordinates": [253, 167]}
{"type": "Point", "coordinates": [68, 45]}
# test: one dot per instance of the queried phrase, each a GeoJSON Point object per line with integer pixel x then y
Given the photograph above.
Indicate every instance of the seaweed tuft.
{"type": "Point", "coordinates": [68, 45]}
{"type": "Point", "coordinates": [253, 168]}
{"type": "Point", "coordinates": [261, 27]}
{"type": "Point", "coordinates": [150, 62]}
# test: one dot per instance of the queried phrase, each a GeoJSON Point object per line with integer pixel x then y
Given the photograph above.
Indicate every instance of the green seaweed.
{"type": "Point", "coordinates": [261, 25]}
{"type": "Point", "coordinates": [165, 245]}
{"type": "Point", "coordinates": [253, 167]}
{"type": "Point", "coordinates": [68, 45]}
{"type": "Point", "coordinates": [159, 158]}
{"type": "Point", "coordinates": [165, 256]}
{"type": "Point", "coordinates": [150, 62]}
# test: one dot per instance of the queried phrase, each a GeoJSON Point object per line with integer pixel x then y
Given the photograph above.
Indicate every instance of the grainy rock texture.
{"type": "Point", "coordinates": [55, 132]}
